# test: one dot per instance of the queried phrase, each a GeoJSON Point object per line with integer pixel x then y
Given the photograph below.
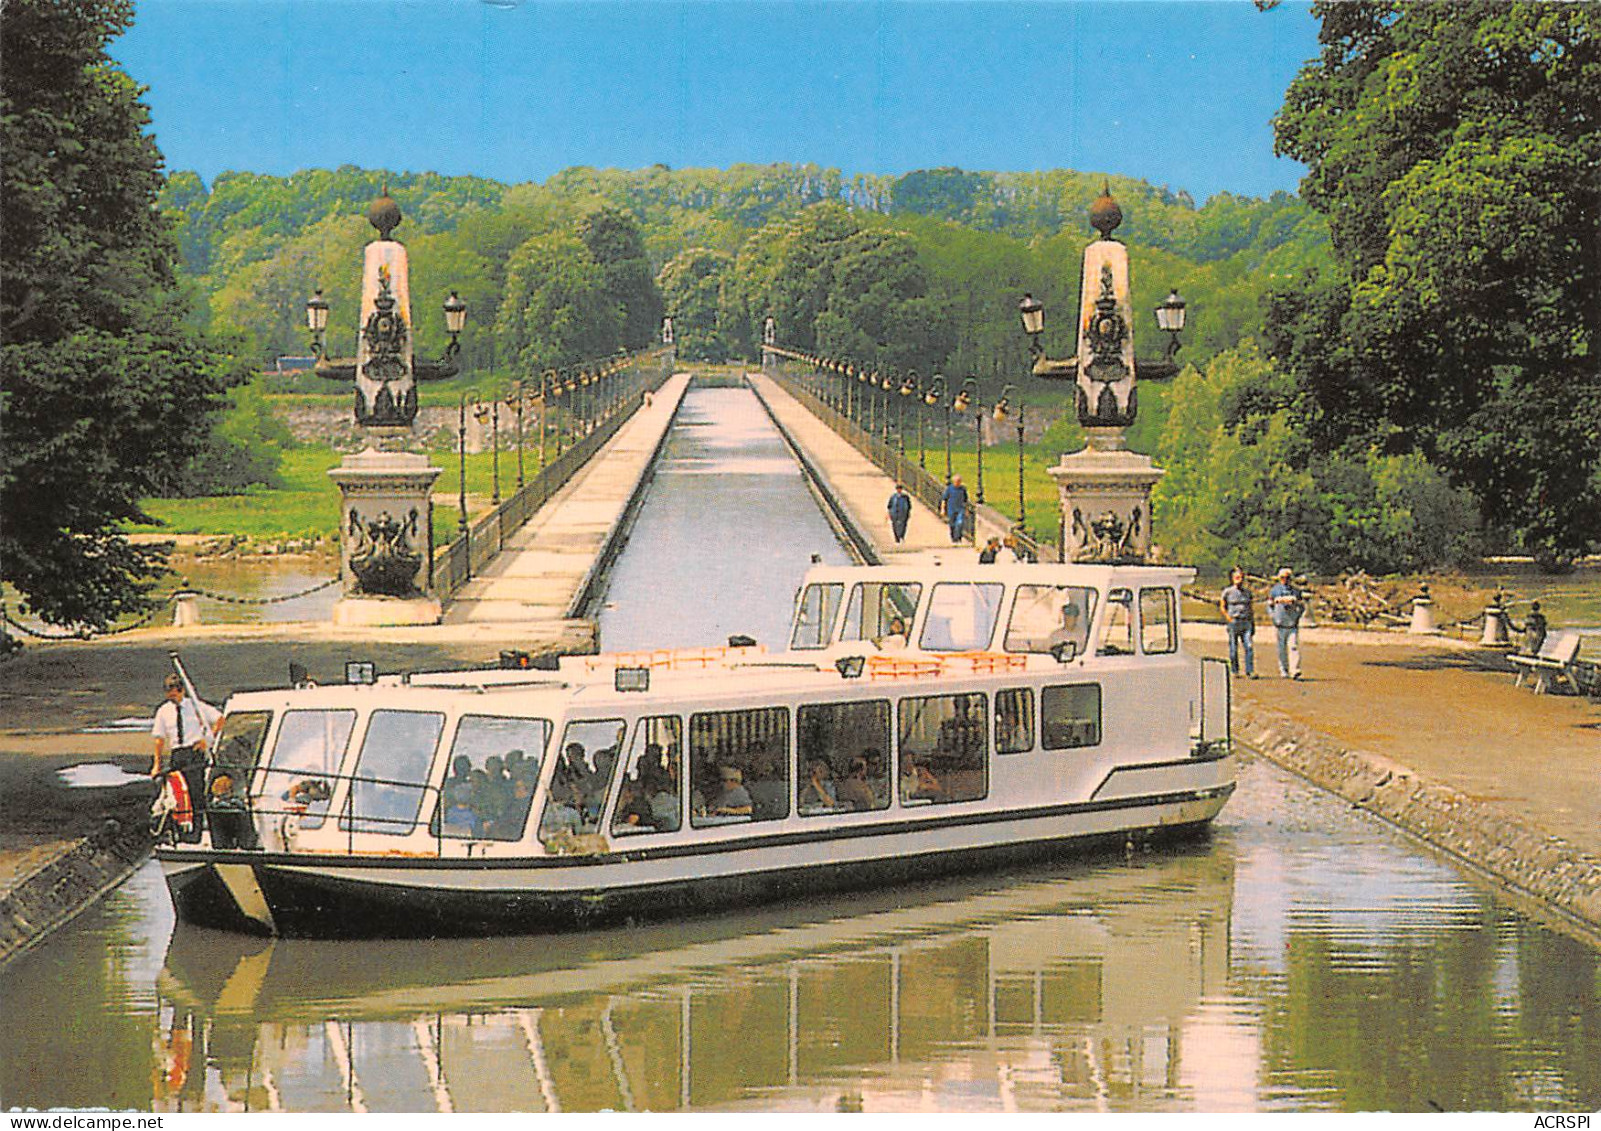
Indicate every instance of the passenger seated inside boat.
{"type": "Point", "coordinates": [919, 783]}
{"type": "Point", "coordinates": [858, 791]}
{"type": "Point", "coordinates": [733, 800]}
{"type": "Point", "coordinates": [228, 814]}
{"type": "Point", "coordinates": [633, 808]}
{"type": "Point", "coordinates": [818, 794]}
{"type": "Point", "coordinates": [1119, 638]}
{"type": "Point", "coordinates": [1045, 616]}
{"type": "Point", "coordinates": [896, 638]}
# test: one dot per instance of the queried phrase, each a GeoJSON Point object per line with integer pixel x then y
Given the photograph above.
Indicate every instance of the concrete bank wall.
{"type": "Point", "coordinates": [1545, 869]}
{"type": "Point", "coordinates": [65, 882]}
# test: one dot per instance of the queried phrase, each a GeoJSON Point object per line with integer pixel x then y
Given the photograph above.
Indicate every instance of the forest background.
{"type": "Point", "coordinates": [1390, 371]}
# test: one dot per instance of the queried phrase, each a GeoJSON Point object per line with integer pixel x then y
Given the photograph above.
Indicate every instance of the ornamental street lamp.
{"type": "Point", "coordinates": [1170, 319]}
{"type": "Point", "coordinates": [516, 400]}
{"type": "Point", "coordinates": [317, 323]}
{"type": "Point", "coordinates": [491, 412]}
{"type": "Point", "coordinates": [935, 395]}
{"type": "Point", "coordinates": [1001, 408]}
{"type": "Point", "coordinates": [1033, 313]}
{"type": "Point", "coordinates": [908, 387]}
{"type": "Point", "coordinates": [461, 447]}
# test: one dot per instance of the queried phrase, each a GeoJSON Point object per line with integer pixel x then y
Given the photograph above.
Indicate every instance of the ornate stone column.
{"type": "Point", "coordinates": [386, 538]}
{"type": "Point", "coordinates": [1105, 489]}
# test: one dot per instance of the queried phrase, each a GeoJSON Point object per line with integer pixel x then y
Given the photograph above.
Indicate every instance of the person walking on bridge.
{"type": "Point", "coordinates": [953, 504]}
{"type": "Point", "coordinates": [900, 511]}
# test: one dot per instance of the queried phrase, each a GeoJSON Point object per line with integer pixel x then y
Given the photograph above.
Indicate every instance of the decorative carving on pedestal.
{"type": "Point", "coordinates": [382, 555]}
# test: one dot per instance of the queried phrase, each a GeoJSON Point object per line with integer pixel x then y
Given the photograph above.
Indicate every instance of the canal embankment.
{"type": "Point", "coordinates": [1434, 737]}
{"type": "Point", "coordinates": [1426, 732]}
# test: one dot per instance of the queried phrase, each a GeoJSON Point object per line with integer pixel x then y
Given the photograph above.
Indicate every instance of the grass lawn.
{"type": "Point", "coordinates": [307, 504]}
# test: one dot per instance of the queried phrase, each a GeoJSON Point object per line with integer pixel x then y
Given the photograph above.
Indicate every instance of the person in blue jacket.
{"type": "Point", "coordinates": [900, 512]}
{"type": "Point", "coordinates": [954, 506]}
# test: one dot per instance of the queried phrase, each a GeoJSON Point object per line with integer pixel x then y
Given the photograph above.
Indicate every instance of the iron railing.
{"type": "Point", "coordinates": [465, 557]}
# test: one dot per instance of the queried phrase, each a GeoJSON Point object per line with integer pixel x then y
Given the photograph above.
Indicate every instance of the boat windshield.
{"type": "Point", "coordinates": [961, 616]}
{"type": "Point", "coordinates": [1044, 616]}
{"type": "Point", "coordinates": [881, 610]}
{"type": "Point", "coordinates": [391, 774]}
{"type": "Point", "coordinates": [305, 758]}
{"type": "Point", "coordinates": [494, 769]}
{"type": "Point", "coordinates": [814, 615]}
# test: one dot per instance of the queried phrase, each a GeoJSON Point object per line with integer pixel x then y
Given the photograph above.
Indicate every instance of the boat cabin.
{"type": "Point", "coordinates": [905, 694]}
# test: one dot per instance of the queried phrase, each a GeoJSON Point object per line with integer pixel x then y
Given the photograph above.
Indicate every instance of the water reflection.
{"type": "Point", "coordinates": [1031, 992]}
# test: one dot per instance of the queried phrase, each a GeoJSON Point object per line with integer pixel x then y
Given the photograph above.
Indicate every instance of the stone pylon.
{"type": "Point", "coordinates": [1105, 489]}
{"type": "Point", "coordinates": [386, 543]}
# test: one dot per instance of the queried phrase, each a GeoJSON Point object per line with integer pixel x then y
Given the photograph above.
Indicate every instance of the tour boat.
{"type": "Point", "coordinates": [923, 717]}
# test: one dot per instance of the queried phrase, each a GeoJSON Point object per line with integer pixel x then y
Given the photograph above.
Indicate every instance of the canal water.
{"type": "Point", "coordinates": [1303, 958]}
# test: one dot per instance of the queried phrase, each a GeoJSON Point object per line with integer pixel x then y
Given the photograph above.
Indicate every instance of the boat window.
{"type": "Point", "coordinates": [579, 783]}
{"type": "Point", "coordinates": [651, 798]}
{"type": "Point", "coordinates": [305, 758]}
{"type": "Point", "coordinates": [1158, 625]}
{"type": "Point", "coordinates": [739, 766]}
{"type": "Point", "coordinates": [814, 617]}
{"type": "Point", "coordinates": [961, 616]}
{"type": "Point", "coordinates": [1044, 616]}
{"type": "Point", "coordinates": [840, 750]}
{"type": "Point", "coordinates": [876, 607]}
{"type": "Point", "coordinates": [391, 775]}
{"type": "Point", "coordinates": [1014, 720]}
{"type": "Point", "coordinates": [494, 770]}
{"type": "Point", "coordinates": [239, 745]}
{"type": "Point", "coordinates": [1118, 639]}
{"type": "Point", "coordinates": [1070, 716]}
{"type": "Point", "coordinates": [944, 748]}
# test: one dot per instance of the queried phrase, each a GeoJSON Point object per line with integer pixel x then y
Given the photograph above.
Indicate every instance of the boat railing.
{"type": "Point", "coordinates": [932, 665]}
{"type": "Point", "coordinates": [673, 659]}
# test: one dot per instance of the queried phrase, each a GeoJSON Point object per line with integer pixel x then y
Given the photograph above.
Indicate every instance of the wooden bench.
{"type": "Point", "coordinates": [1554, 664]}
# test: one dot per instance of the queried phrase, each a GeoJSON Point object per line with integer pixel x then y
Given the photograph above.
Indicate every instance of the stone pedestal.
{"type": "Point", "coordinates": [386, 543]}
{"type": "Point", "coordinates": [1106, 500]}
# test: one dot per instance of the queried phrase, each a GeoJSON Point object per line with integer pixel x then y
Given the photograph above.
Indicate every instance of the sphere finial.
{"type": "Point", "coordinates": [1105, 215]}
{"type": "Point", "coordinates": [384, 214]}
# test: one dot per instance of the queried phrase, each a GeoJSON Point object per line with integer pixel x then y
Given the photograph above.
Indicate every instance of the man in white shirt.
{"type": "Point", "coordinates": [184, 729]}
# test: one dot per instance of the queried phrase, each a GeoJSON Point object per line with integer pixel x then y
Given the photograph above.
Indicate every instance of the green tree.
{"type": "Point", "coordinates": [692, 285]}
{"type": "Point", "coordinates": [615, 243]}
{"type": "Point", "coordinates": [106, 385]}
{"type": "Point", "coordinates": [1454, 148]}
{"type": "Point", "coordinates": [556, 309]}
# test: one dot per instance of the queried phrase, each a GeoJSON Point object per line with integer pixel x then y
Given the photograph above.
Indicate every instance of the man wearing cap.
{"type": "Point", "coordinates": [1285, 603]}
{"type": "Point", "coordinates": [734, 800]}
{"type": "Point", "coordinates": [184, 729]}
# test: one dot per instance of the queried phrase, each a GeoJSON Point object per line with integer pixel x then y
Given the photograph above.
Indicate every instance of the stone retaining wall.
{"type": "Point", "coordinates": [1546, 869]}
{"type": "Point", "coordinates": [65, 883]}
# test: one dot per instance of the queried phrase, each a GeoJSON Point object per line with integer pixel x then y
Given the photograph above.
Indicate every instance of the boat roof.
{"type": "Point", "coordinates": [961, 565]}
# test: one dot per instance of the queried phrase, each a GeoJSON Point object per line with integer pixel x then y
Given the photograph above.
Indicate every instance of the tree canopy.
{"type": "Point", "coordinates": [1454, 149]}
{"type": "Point", "coordinates": [105, 383]}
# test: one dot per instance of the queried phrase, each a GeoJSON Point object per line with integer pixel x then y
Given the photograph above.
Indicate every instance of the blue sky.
{"type": "Point", "coordinates": [1177, 93]}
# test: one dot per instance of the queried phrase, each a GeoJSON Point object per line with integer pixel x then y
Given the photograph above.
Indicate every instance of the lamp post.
{"type": "Point", "coordinates": [317, 323]}
{"type": "Point", "coordinates": [1170, 319]}
{"type": "Point", "coordinates": [885, 383]}
{"type": "Point", "coordinates": [1033, 314]}
{"type": "Point", "coordinates": [931, 397]}
{"type": "Point", "coordinates": [516, 400]}
{"type": "Point", "coordinates": [461, 447]}
{"type": "Point", "coordinates": [491, 412]}
{"type": "Point", "coordinates": [958, 407]}
{"type": "Point", "coordinates": [1002, 406]}
{"type": "Point", "coordinates": [908, 387]}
